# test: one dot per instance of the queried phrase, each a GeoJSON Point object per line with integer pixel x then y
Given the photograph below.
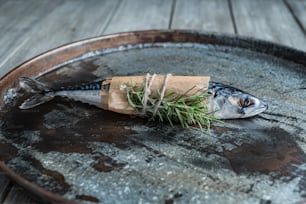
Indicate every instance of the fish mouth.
{"type": "Point", "coordinates": [261, 108]}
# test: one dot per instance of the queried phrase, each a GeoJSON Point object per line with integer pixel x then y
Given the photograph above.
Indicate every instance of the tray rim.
{"type": "Point", "coordinates": [43, 62]}
{"type": "Point", "coordinates": [76, 48]}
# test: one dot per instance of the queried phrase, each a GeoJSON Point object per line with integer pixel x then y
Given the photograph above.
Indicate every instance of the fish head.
{"type": "Point", "coordinates": [227, 102]}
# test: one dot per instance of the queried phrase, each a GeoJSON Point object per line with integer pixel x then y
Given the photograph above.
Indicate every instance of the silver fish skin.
{"type": "Point", "coordinates": [87, 93]}
{"type": "Point", "coordinates": [225, 102]}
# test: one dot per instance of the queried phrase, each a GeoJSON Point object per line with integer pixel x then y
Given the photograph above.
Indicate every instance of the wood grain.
{"type": "Point", "coordinates": [269, 20]}
{"type": "Point", "coordinates": [4, 186]}
{"type": "Point", "coordinates": [140, 15]}
{"type": "Point", "coordinates": [298, 8]}
{"type": "Point", "coordinates": [19, 195]}
{"type": "Point", "coordinates": [66, 21]}
{"type": "Point", "coordinates": [203, 15]}
{"type": "Point", "coordinates": [16, 20]}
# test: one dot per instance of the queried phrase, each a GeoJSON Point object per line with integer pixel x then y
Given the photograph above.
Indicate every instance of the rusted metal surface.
{"type": "Point", "coordinates": [72, 151]}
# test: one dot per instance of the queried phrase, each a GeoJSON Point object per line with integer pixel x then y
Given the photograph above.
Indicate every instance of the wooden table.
{"type": "Point", "coordinates": [31, 27]}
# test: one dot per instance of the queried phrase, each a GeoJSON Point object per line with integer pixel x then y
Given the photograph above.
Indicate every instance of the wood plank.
{"type": "Point", "coordinates": [71, 21]}
{"type": "Point", "coordinates": [4, 184]}
{"type": "Point", "coordinates": [17, 19]}
{"type": "Point", "coordinates": [18, 195]}
{"type": "Point", "coordinates": [203, 15]}
{"type": "Point", "coordinates": [141, 15]}
{"type": "Point", "coordinates": [16, 16]}
{"type": "Point", "coordinates": [269, 20]}
{"type": "Point", "coordinates": [298, 8]}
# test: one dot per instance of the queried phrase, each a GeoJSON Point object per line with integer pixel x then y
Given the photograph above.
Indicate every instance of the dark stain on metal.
{"type": "Point", "coordinates": [107, 164]}
{"type": "Point", "coordinates": [219, 129]}
{"type": "Point", "coordinates": [169, 201]}
{"type": "Point", "coordinates": [57, 178]}
{"type": "Point", "coordinates": [89, 65]}
{"type": "Point", "coordinates": [87, 198]}
{"type": "Point", "coordinates": [59, 135]}
{"type": "Point", "coordinates": [266, 157]}
{"type": "Point", "coordinates": [174, 197]}
{"type": "Point", "coordinates": [7, 151]}
{"type": "Point", "coordinates": [265, 201]}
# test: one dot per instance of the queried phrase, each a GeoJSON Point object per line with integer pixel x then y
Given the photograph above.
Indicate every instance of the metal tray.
{"type": "Point", "coordinates": [67, 151]}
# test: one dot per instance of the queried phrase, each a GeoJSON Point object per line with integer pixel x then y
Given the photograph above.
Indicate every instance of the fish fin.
{"type": "Point", "coordinates": [32, 85]}
{"type": "Point", "coordinates": [42, 92]}
{"type": "Point", "coordinates": [36, 100]}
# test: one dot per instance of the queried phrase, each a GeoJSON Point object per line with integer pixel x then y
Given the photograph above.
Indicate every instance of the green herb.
{"type": "Point", "coordinates": [174, 108]}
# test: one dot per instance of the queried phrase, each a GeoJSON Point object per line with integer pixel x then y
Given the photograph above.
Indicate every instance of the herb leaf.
{"type": "Point", "coordinates": [184, 109]}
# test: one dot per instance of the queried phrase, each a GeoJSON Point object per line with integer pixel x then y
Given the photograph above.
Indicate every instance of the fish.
{"type": "Point", "coordinates": [224, 102]}
{"type": "Point", "coordinates": [227, 102]}
{"type": "Point", "coordinates": [87, 93]}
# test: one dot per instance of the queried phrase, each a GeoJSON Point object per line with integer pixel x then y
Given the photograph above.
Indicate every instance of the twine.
{"type": "Point", "coordinates": [147, 91]}
{"type": "Point", "coordinates": [162, 93]}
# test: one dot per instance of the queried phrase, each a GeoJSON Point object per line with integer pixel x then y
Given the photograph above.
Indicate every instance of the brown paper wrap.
{"type": "Point", "coordinates": [115, 98]}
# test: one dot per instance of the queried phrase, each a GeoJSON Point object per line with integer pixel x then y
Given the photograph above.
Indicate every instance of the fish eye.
{"type": "Point", "coordinates": [245, 102]}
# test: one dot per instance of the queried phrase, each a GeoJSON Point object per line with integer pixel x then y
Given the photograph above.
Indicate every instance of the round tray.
{"type": "Point", "coordinates": [66, 151]}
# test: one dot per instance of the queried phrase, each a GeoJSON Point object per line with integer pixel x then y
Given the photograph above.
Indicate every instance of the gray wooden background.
{"type": "Point", "coordinates": [30, 27]}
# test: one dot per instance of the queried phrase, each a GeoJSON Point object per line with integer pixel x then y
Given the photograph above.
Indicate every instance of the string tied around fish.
{"type": "Point", "coordinates": [169, 98]}
{"type": "Point", "coordinates": [147, 91]}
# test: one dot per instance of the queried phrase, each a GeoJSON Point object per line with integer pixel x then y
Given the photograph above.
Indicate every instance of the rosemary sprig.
{"type": "Point", "coordinates": [184, 109]}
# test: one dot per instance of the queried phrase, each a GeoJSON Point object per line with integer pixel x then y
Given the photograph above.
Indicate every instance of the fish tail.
{"type": "Point", "coordinates": [42, 93]}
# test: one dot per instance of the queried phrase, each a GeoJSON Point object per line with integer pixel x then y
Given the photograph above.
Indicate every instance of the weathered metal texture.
{"type": "Point", "coordinates": [76, 152]}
